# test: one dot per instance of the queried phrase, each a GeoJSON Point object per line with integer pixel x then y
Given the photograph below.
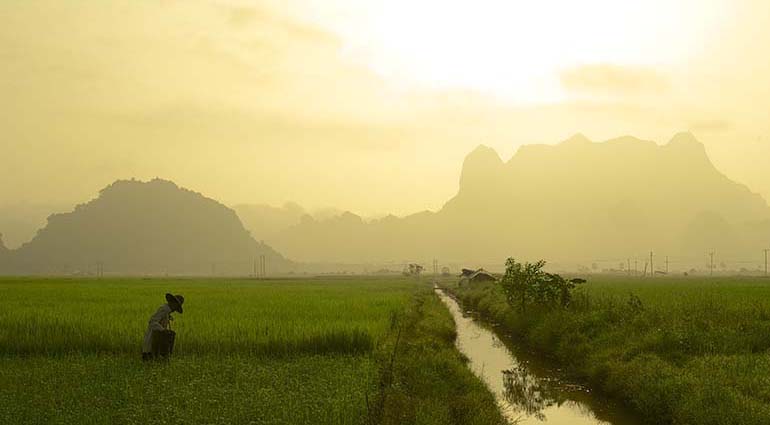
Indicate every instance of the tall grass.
{"type": "Point", "coordinates": [423, 379]}
{"type": "Point", "coordinates": [268, 352]}
{"type": "Point", "coordinates": [63, 316]}
{"type": "Point", "coordinates": [195, 389]}
{"type": "Point", "coordinates": [681, 351]}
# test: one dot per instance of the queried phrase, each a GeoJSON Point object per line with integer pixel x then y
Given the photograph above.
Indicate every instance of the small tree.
{"type": "Point", "coordinates": [518, 282]}
{"type": "Point", "coordinates": [527, 283]}
{"type": "Point", "coordinates": [413, 270]}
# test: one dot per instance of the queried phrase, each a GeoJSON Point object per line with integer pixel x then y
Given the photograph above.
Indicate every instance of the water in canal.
{"type": "Point", "coordinates": [527, 391]}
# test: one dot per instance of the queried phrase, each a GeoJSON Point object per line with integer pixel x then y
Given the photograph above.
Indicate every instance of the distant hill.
{"type": "Point", "coordinates": [577, 200]}
{"type": "Point", "coordinates": [137, 227]}
{"type": "Point", "coordinates": [266, 222]}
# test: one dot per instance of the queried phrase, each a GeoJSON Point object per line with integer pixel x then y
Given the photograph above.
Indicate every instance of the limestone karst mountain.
{"type": "Point", "coordinates": [266, 221]}
{"type": "Point", "coordinates": [575, 200]}
{"type": "Point", "coordinates": [136, 227]}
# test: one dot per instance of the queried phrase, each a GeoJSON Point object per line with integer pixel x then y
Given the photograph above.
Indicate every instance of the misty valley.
{"type": "Point", "coordinates": [384, 212]}
{"type": "Point", "coordinates": [328, 318]}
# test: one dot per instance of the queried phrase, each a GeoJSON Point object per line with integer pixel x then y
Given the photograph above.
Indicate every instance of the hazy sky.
{"type": "Point", "coordinates": [366, 105]}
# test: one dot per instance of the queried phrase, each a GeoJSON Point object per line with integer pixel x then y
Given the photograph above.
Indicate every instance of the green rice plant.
{"type": "Point", "coordinates": [282, 317]}
{"type": "Point", "coordinates": [193, 389]}
{"type": "Point", "coordinates": [248, 352]}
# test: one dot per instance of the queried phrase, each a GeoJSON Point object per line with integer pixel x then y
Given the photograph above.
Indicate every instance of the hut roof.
{"type": "Point", "coordinates": [477, 275]}
{"type": "Point", "coordinates": [482, 274]}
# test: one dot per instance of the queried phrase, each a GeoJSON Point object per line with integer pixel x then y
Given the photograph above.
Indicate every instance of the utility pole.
{"type": "Point", "coordinates": [711, 254]}
{"type": "Point", "coordinates": [766, 250]}
{"type": "Point", "coordinates": [652, 269]}
{"type": "Point", "coordinates": [262, 265]}
{"type": "Point", "coordinates": [628, 268]}
{"type": "Point", "coordinates": [254, 266]}
{"type": "Point", "coordinates": [666, 264]}
{"type": "Point", "coordinates": [636, 267]}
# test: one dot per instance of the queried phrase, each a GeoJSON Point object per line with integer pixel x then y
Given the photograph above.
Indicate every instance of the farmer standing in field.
{"type": "Point", "coordinates": [159, 339]}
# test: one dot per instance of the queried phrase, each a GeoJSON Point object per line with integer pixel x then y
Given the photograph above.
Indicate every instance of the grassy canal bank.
{"type": "Point", "coordinates": [678, 351]}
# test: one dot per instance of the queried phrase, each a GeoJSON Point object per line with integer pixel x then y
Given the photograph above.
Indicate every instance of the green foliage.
{"type": "Point", "coordinates": [678, 350]}
{"type": "Point", "coordinates": [429, 382]}
{"type": "Point", "coordinates": [413, 269]}
{"type": "Point", "coordinates": [635, 304]}
{"type": "Point", "coordinates": [269, 352]}
{"type": "Point", "coordinates": [527, 283]}
{"type": "Point", "coordinates": [223, 316]}
{"type": "Point", "coordinates": [191, 389]}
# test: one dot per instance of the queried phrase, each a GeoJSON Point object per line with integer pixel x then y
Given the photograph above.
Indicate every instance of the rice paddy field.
{"type": "Point", "coordinates": [678, 350]}
{"type": "Point", "coordinates": [61, 316]}
{"type": "Point", "coordinates": [305, 351]}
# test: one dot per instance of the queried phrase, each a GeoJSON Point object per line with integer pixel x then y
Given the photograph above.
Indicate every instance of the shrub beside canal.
{"type": "Point", "coordinates": [679, 351]}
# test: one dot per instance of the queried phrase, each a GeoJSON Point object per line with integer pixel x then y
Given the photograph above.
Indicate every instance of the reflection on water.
{"type": "Point", "coordinates": [529, 394]}
{"type": "Point", "coordinates": [526, 393]}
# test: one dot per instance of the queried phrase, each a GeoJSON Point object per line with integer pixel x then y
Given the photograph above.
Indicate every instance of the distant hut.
{"type": "Point", "coordinates": [473, 276]}
{"type": "Point", "coordinates": [467, 273]}
{"type": "Point", "coordinates": [482, 275]}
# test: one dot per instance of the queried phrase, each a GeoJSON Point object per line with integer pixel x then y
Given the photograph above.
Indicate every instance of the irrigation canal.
{"type": "Point", "coordinates": [527, 390]}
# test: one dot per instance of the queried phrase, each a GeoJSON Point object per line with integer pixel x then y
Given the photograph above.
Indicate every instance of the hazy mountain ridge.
{"type": "Point", "coordinates": [20, 221]}
{"type": "Point", "coordinates": [266, 221]}
{"type": "Point", "coordinates": [574, 200]}
{"type": "Point", "coordinates": [143, 227]}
